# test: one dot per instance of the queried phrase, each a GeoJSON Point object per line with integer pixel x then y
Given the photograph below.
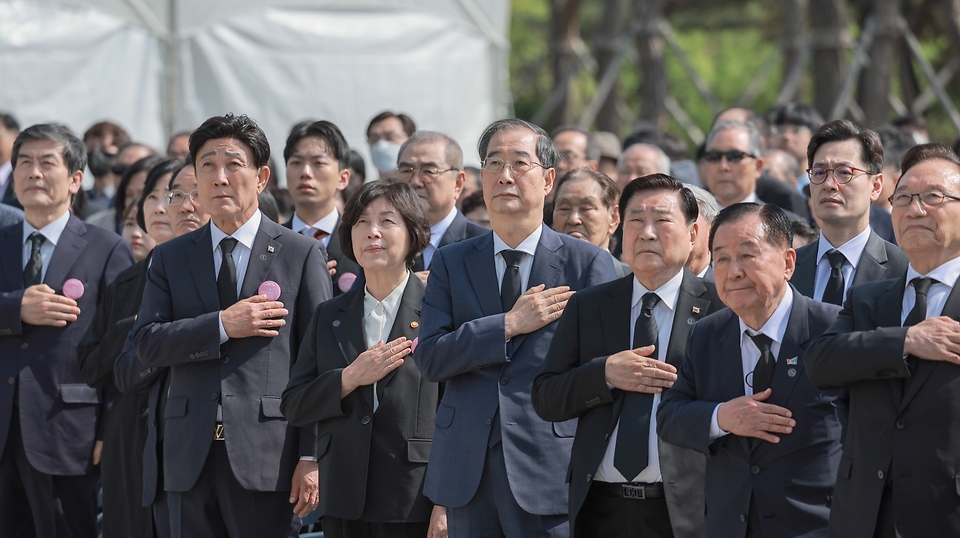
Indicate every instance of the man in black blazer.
{"type": "Point", "coordinates": [318, 165]}
{"type": "Point", "coordinates": [231, 462]}
{"type": "Point", "coordinates": [48, 415]}
{"type": "Point", "coordinates": [594, 373]}
{"type": "Point", "coordinates": [432, 163]}
{"type": "Point", "coordinates": [771, 438]}
{"type": "Point", "coordinates": [845, 178]}
{"type": "Point", "coordinates": [895, 348]}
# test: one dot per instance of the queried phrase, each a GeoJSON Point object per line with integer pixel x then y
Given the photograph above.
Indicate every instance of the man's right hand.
{"type": "Point", "coordinates": [633, 370]}
{"type": "Point", "coordinates": [934, 339]}
{"type": "Point", "coordinates": [535, 309]}
{"type": "Point", "coordinates": [42, 306]}
{"type": "Point", "coordinates": [253, 316]}
{"type": "Point", "coordinates": [747, 416]}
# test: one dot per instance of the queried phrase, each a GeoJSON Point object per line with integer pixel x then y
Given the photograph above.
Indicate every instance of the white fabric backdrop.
{"type": "Point", "coordinates": [162, 66]}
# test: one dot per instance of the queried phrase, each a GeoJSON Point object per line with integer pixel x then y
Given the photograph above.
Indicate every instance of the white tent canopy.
{"type": "Point", "coordinates": [161, 66]}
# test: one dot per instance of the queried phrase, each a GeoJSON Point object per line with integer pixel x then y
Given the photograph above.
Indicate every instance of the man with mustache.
{"type": "Point", "coordinates": [846, 164]}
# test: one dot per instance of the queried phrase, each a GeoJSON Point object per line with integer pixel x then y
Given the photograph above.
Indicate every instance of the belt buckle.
{"type": "Point", "coordinates": [634, 492]}
{"type": "Point", "coordinates": [218, 433]}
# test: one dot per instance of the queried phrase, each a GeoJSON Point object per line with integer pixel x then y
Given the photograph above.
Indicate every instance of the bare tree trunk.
{"type": "Point", "coordinates": [909, 85]}
{"type": "Point", "coordinates": [793, 15]}
{"type": "Point", "coordinates": [608, 119]}
{"type": "Point", "coordinates": [874, 87]}
{"type": "Point", "coordinates": [830, 52]}
{"type": "Point", "coordinates": [653, 69]}
{"type": "Point", "coordinates": [565, 28]}
{"type": "Point", "coordinates": [952, 8]}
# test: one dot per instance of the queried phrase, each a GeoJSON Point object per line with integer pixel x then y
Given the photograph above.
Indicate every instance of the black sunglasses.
{"type": "Point", "coordinates": [733, 156]}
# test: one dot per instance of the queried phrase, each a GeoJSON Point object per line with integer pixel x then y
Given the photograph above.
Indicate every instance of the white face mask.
{"type": "Point", "coordinates": [384, 155]}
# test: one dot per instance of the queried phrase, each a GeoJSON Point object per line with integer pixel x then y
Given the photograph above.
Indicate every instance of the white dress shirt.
{"type": "Point", "coordinates": [436, 235]}
{"type": "Point", "coordinates": [852, 250]}
{"type": "Point", "coordinates": [326, 224]}
{"type": "Point", "coordinates": [241, 254]}
{"type": "Point", "coordinates": [945, 275]}
{"type": "Point", "coordinates": [775, 328]}
{"type": "Point", "coordinates": [378, 318]}
{"type": "Point", "coordinates": [52, 232]}
{"type": "Point", "coordinates": [663, 313]}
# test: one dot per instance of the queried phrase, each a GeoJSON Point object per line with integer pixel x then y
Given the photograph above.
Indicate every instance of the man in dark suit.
{"type": "Point", "coordinates": [318, 166]}
{"type": "Point", "coordinates": [48, 415]}
{"type": "Point", "coordinates": [623, 481]}
{"type": "Point", "coordinates": [497, 467]}
{"type": "Point", "coordinates": [9, 129]}
{"type": "Point", "coordinates": [895, 348]}
{"type": "Point", "coordinates": [432, 163]}
{"type": "Point", "coordinates": [771, 438]}
{"type": "Point", "coordinates": [231, 462]}
{"type": "Point", "coordinates": [10, 215]}
{"type": "Point", "coordinates": [845, 178]}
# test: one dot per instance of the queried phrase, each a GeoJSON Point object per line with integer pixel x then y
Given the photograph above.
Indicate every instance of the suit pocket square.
{"type": "Point", "coordinates": [270, 407]}
{"type": "Point", "coordinates": [418, 450]}
{"type": "Point", "coordinates": [78, 393]}
{"type": "Point", "coordinates": [176, 407]}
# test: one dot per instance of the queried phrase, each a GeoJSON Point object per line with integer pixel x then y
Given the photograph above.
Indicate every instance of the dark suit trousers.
{"type": "Point", "coordinates": [334, 527]}
{"type": "Point", "coordinates": [37, 504]}
{"type": "Point", "coordinates": [218, 506]}
{"type": "Point", "coordinates": [121, 469]}
{"type": "Point", "coordinates": [605, 515]}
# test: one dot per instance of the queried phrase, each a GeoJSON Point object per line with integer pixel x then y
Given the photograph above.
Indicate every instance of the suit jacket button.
{"type": "Point", "coordinates": [365, 420]}
{"type": "Point", "coordinates": [504, 380]}
{"type": "Point", "coordinates": [743, 518]}
{"type": "Point", "coordinates": [225, 360]}
{"type": "Point", "coordinates": [880, 475]}
{"type": "Point", "coordinates": [487, 421]}
{"type": "Point", "coordinates": [214, 396]}
{"type": "Point", "coordinates": [901, 424]}
{"type": "Point", "coordinates": [24, 345]}
{"type": "Point", "coordinates": [11, 381]}
{"type": "Point", "coordinates": [755, 470]}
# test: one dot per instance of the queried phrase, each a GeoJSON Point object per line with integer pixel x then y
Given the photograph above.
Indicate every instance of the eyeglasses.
{"type": "Point", "coordinates": [733, 156]}
{"type": "Point", "coordinates": [517, 166]}
{"type": "Point", "coordinates": [427, 174]}
{"type": "Point", "coordinates": [843, 174]}
{"type": "Point", "coordinates": [572, 156]}
{"type": "Point", "coordinates": [932, 198]}
{"type": "Point", "coordinates": [177, 197]}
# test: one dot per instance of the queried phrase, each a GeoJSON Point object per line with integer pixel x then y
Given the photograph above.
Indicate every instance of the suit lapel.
{"type": "Point", "coordinates": [547, 265]}
{"type": "Point", "coordinates": [348, 330]}
{"type": "Point", "coordinates": [951, 309]}
{"type": "Point", "coordinates": [615, 324]}
{"type": "Point", "coordinates": [480, 268]}
{"type": "Point", "coordinates": [200, 257]}
{"type": "Point", "coordinates": [871, 265]}
{"type": "Point", "coordinates": [887, 309]}
{"type": "Point", "coordinates": [262, 255]}
{"type": "Point", "coordinates": [407, 322]}
{"type": "Point", "coordinates": [690, 308]}
{"type": "Point", "coordinates": [455, 232]}
{"type": "Point", "coordinates": [12, 260]}
{"type": "Point", "coordinates": [333, 246]}
{"type": "Point", "coordinates": [789, 361]}
{"type": "Point", "coordinates": [68, 251]}
{"type": "Point", "coordinates": [806, 273]}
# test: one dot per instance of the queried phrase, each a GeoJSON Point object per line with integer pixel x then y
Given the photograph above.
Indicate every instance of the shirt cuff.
{"type": "Point", "coordinates": [307, 458]}
{"type": "Point", "coordinates": [223, 332]}
{"type": "Point", "coordinates": [715, 431]}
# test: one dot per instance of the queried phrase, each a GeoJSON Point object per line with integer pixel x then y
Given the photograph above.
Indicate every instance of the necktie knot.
{"type": "Point", "coordinates": [319, 234]}
{"type": "Point", "coordinates": [649, 301]}
{"type": "Point", "coordinates": [836, 259]}
{"type": "Point", "coordinates": [36, 240]}
{"type": "Point", "coordinates": [762, 341]}
{"type": "Point", "coordinates": [33, 271]}
{"type": "Point", "coordinates": [512, 257]}
{"type": "Point", "coordinates": [227, 244]}
{"type": "Point", "coordinates": [921, 285]}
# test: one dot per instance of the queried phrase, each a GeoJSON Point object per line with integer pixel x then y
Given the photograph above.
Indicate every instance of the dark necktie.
{"type": "Point", "coordinates": [33, 272]}
{"type": "Point", "coordinates": [510, 287]}
{"type": "Point", "coordinates": [631, 454]}
{"type": "Point", "coordinates": [921, 285]}
{"type": "Point", "coordinates": [320, 234]}
{"type": "Point", "coordinates": [763, 371]}
{"type": "Point", "coordinates": [227, 278]}
{"type": "Point", "coordinates": [833, 293]}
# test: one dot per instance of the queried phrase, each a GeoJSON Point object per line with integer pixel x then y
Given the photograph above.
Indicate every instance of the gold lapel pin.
{"type": "Point", "coordinates": [696, 310]}
{"type": "Point", "coordinates": [414, 324]}
{"type": "Point", "coordinates": [269, 249]}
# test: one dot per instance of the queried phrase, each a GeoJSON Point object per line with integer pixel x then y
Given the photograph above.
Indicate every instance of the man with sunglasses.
{"type": "Point", "coordinates": [432, 163]}
{"type": "Point", "coordinates": [846, 164]}
{"type": "Point", "coordinates": [895, 346]}
{"type": "Point", "coordinates": [732, 163]}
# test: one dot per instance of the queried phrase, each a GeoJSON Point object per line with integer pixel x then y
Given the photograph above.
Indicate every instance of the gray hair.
{"type": "Point", "coordinates": [74, 152]}
{"type": "Point", "coordinates": [754, 134]}
{"type": "Point", "coordinates": [452, 152]}
{"type": "Point", "coordinates": [546, 151]}
{"type": "Point", "coordinates": [706, 202]}
{"type": "Point", "coordinates": [663, 160]}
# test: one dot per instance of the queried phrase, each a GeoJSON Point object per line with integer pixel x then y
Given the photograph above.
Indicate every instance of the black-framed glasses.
{"type": "Point", "coordinates": [517, 166]}
{"type": "Point", "coordinates": [177, 197]}
{"type": "Point", "coordinates": [733, 156]}
{"type": "Point", "coordinates": [428, 174]}
{"type": "Point", "coordinates": [932, 198]}
{"type": "Point", "coordinates": [842, 174]}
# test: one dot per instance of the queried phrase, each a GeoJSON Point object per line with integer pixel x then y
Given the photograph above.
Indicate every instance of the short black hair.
{"type": "Point", "coordinates": [777, 228]}
{"type": "Point", "coordinates": [409, 126]}
{"type": "Point", "coordinates": [895, 142]}
{"type": "Point", "coordinates": [9, 122]}
{"type": "Point", "coordinates": [176, 172]}
{"type": "Point", "coordinates": [473, 201]}
{"type": "Point", "coordinates": [241, 128]}
{"type": "Point", "coordinates": [871, 148]}
{"type": "Point", "coordinates": [403, 198]}
{"type": "Point", "coordinates": [546, 150]}
{"type": "Point", "coordinates": [803, 229]}
{"type": "Point", "coordinates": [145, 164]}
{"type": "Point", "coordinates": [675, 147]}
{"type": "Point", "coordinates": [645, 134]}
{"type": "Point", "coordinates": [661, 182]}
{"type": "Point", "coordinates": [324, 130]}
{"type": "Point", "coordinates": [162, 168]}
{"type": "Point", "coordinates": [928, 152]}
{"type": "Point", "coordinates": [796, 114]}
{"type": "Point", "coordinates": [74, 152]}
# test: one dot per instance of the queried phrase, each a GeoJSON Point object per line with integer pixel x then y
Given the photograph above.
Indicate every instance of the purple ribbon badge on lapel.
{"type": "Point", "coordinates": [345, 282]}
{"type": "Point", "coordinates": [271, 289]}
{"type": "Point", "coordinates": [413, 346]}
{"type": "Point", "coordinates": [73, 289]}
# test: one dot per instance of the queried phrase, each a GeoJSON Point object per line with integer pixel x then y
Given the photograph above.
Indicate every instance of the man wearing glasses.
{"type": "Point", "coordinates": [845, 178]}
{"type": "Point", "coordinates": [489, 314]}
{"type": "Point", "coordinates": [732, 163]}
{"type": "Point", "coordinates": [432, 163]}
{"type": "Point", "coordinates": [895, 346]}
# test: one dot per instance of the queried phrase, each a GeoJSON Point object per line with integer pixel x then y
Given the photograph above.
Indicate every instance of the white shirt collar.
{"type": "Point", "coordinates": [851, 250]}
{"type": "Point", "coordinates": [947, 273]}
{"type": "Point", "coordinates": [440, 228]}
{"type": "Point", "coordinates": [390, 303]}
{"type": "Point", "coordinates": [327, 223]}
{"type": "Point", "coordinates": [51, 231]}
{"type": "Point", "coordinates": [527, 246]}
{"type": "Point", "coordinates": [244, 235]}
{"type": "Point", "coordinates": [775, 327]}
{"type": "Point", "coordinates": [752, 197]}
{"type": "Point", "coordinates": [668, 292]}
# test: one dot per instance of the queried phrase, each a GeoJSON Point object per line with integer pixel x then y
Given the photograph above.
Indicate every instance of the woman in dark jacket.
{"type": "Point", "coordinates": [355, 378]}
{"type": "Point", "coordinates": [123, 424]}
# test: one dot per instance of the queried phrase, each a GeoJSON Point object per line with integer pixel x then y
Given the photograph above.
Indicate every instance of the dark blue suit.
{"type": "Point", "coordinates": [56, 414]}
{"type": "Point", "coordinates": [462, 342]}
{"type": "Point", "coordinates": [792, 481]}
